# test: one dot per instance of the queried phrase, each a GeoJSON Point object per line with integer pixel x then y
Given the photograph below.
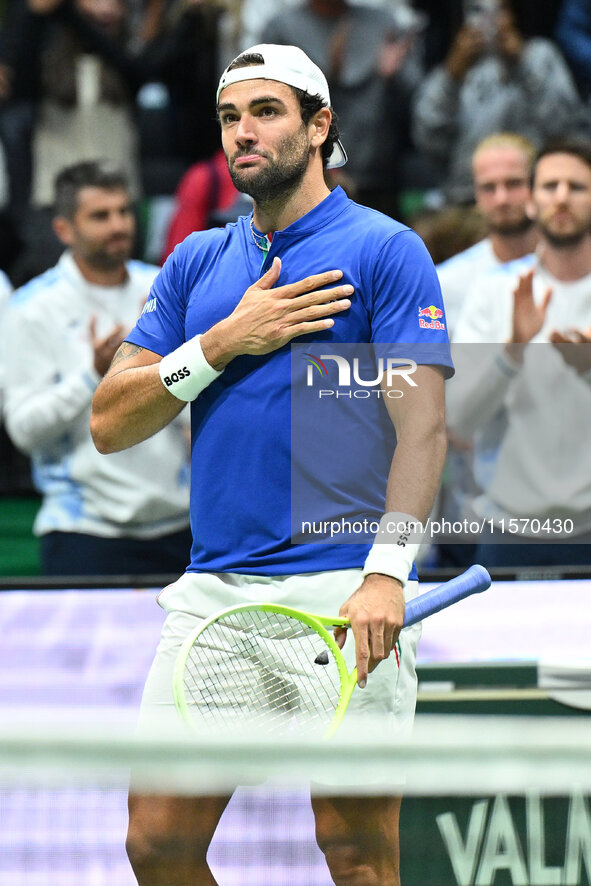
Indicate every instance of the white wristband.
{"type": "Point", "coordinates": [185, 372]}
{"type": "Point", "coordinates": [395, 547]}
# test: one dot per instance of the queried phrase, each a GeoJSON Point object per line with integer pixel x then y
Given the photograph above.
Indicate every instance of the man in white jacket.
{"type": "Point", "coordinates": [127, 514]}
{"type": "Point", "coordinates": [526, 398]}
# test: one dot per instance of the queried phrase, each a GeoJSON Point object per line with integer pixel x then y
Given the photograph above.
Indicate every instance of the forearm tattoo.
{"type": "Point", "coordinates": [125, 351]}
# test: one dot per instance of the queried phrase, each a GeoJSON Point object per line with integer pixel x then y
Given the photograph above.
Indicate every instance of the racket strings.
{"type": "Point", "coordinates": [261, 667]}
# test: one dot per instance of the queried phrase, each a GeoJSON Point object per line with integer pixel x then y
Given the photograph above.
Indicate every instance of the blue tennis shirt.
{"type": "Point", "coordinates": [241, 464]}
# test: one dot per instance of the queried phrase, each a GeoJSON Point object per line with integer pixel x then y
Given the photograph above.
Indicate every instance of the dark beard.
{"type": "Point", "coordinates": [278, 178]}
{"type": "Point", "coordinates": [105, 261]}
{"type": "Point", "coordinates": [563, 241]}
{"type": "Point", "coordinates": [512, 230]}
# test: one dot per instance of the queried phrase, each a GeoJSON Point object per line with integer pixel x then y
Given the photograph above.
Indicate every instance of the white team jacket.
{"type": "Point", "coordinates": [142, 492]}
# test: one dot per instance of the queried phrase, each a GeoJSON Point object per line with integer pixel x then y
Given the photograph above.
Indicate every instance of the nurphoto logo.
{"type": "Point", "coordinates": [349, 373]}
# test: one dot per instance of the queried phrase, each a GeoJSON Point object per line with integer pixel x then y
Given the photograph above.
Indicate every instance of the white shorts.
{"type": "Point", "coordinates": [391, 687]}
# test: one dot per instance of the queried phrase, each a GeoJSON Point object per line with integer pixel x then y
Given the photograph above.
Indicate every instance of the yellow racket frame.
{"type": "Point", "coordinates": [318, 623]}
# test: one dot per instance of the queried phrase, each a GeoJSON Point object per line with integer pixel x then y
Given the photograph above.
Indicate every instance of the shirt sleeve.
{"type": "Point", "coordinates": [161, 326]}
{"type": "Point", "coordinates": [407, 305]}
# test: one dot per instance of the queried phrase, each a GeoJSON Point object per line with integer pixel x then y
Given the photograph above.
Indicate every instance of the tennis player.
{"type": "Point", "coordinates": [307, 265]}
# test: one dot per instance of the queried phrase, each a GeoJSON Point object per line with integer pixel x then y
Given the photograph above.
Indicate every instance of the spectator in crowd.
{"type": "Point", "coordinates": [180, 52]}
{"type": "Point", "coordinates": [501, 169]}
{"type": "Point", "coordinates": [492, 80]}
{"type": "Point", "coordinates": [373, 63]}
{"type": "Point", "coordinates": [253, 15]}
{"type": "Point", "coordinates": [534, 19]}
{"type": "Point", "coordinates": [501, 172]}
{"type": "Point", "coordinates": [573, 35]}
{"type": "Point", "coordinates": [529, 408]}
{"type": "Point", "coordinates": [84, 103]}
{"type": "Point", "coordinates": [73, 74]}
{"type": "Point", "coordinates": [123, 515]}
{"type": "Point", "coordinates": [67, 102]}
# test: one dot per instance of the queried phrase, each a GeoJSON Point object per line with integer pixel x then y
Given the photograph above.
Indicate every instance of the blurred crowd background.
{"type": "Point", "coordinates": [417, 85]}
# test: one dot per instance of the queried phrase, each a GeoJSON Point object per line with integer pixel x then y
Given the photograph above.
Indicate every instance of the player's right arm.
{"type": "Point", "coordinates": [133, 401]}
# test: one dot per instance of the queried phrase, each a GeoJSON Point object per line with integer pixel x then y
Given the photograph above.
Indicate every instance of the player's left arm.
{"type": "Point", "coordinates": [376, 608]}
{"type": "Point", "coordinates": [419, 420]}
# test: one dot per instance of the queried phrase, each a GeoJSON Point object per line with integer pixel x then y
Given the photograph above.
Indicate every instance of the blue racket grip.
{"type": "Point", "coordinates": [473, 581]}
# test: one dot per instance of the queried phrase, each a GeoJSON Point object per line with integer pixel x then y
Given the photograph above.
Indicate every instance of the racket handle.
{"type": "Point", "coordinates": [473, 581]}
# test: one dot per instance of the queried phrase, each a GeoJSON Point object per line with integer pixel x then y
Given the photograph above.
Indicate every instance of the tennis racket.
{"type": "Point", "coordinates": [281, 668]}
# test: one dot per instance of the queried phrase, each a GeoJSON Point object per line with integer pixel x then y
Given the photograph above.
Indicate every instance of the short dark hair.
{"type": "Point", "coordinates": [575, 145]}
{"type": "Point", "coordinates": [309, 104]}
{"type": "Point", "coordinates": [88, 174]}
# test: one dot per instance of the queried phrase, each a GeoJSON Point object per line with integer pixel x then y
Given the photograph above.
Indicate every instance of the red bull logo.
{"type": "Point", "coordinates": [429, 318]}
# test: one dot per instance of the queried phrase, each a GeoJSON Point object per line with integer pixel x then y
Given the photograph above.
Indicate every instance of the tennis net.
{"type": "Point", "coordinates": [497, 799]}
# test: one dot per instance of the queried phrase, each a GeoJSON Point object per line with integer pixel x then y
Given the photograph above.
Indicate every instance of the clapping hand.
{"type": "Point", "coordinates": [105, 348]}
{"type": "Point", "coordinates": [528, 317]}
{"type": "Point", "coordinates": [469, 45]}
{"type": "Point", "coordinates": [569, 345]}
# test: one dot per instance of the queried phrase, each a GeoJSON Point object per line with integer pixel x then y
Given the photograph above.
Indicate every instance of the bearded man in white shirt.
{"type": "Point", "coordinates": [528, 399]}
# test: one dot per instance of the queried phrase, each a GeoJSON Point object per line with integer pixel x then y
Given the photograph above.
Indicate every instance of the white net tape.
{"type": "Point", "coordinates": [451, 754]}
{"type": "Point", "coordinates": [63, 792]}
{"type": "Point", "coordinates": [489, 801]}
